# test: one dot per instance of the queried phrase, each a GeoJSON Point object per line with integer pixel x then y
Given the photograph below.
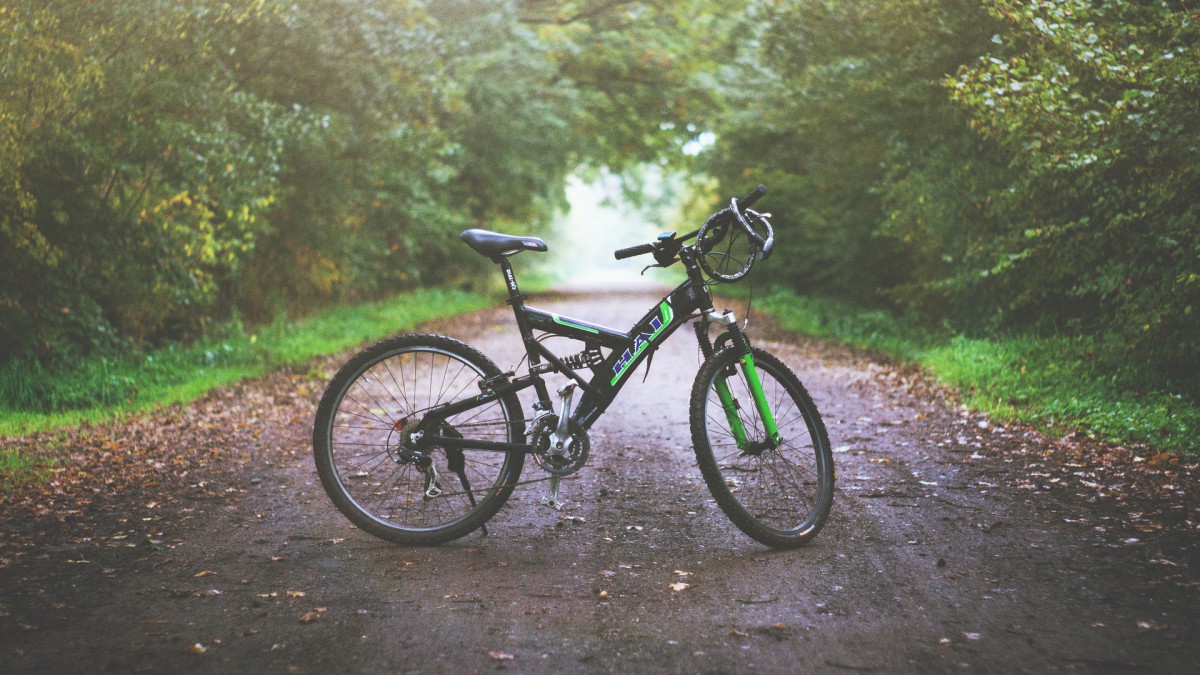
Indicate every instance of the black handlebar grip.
{"type": "Point", "coordinates": [640, 249]}
{"type": "Point", "coordinates": [752, 196]}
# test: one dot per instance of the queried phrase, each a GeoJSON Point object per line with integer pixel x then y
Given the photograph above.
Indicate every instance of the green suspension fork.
{"type": "Point", "coordinates": [760, 399]}
{"type": "Point", "coordinates": [750, 372]}
{"type": "Point", "coordinates": [730, 405]}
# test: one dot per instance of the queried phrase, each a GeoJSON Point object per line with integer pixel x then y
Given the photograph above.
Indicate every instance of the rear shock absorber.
{"type": "Point", "coordinates": [588, 358]}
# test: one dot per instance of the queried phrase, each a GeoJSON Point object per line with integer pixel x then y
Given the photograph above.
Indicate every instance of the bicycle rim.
{"type": "Point", "coordinates": [779, 494]}
{"type": "Point", "coordinates": [369, 478]}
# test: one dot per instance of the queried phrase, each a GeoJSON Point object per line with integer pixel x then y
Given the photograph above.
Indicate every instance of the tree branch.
{"type": "Point", "coordinates": [582, 15]}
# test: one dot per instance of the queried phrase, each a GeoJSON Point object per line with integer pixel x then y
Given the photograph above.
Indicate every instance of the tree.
{"type": "Point", "coordinates": [146, 183]}
{"type": "Point", "coordinates": [168, 163]}
{"type": "Point", "coordinates": [1096, 103]}
{"type": "Point", "coordinates": [839, 108]}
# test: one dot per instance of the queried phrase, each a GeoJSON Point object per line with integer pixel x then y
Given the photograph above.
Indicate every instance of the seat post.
{"type": "Point", "coordinates": [515, 298]}
{"type": "Point", "coordinates": [518, 304]}
{"type": "Point", "coordinates": [514, 293]}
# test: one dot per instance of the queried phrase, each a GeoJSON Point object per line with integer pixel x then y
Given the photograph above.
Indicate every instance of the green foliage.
{"type": "Point", "coordinates": [1095, 101]}
{"type": "Point", "coordinates": [1079, 383]}
{"type": "Point", "coordinates": [874, 329]}
{"type": "Point", "coordinates": [18, 468]}
{"type": "Point", "coordinates": [35, 397]}
{"type": "Point", "coordinates": [1060, 384]}
{"type": "Point", "coordinates": [344, 327]}
{"type": "Point", "coordinates": [984, 165]}
{"type": "Point", "coordinates": [167, 164]}
{"type": "Point", "coordinates": [838, 107]}
{"type": "Point", "coordinates": [640, 71]}
{"type": "Point", "coordinates": [143, 173]}
{"type": "Point", "coordinates": [973, 165]}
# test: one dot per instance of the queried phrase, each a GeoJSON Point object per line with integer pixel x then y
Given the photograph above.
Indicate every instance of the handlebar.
{"type": "Point", "coordinates": [752, 196]}
{"type": "Point", "coordinates": [640, 249]}
{"type": "Point", "coordinates": [741, 205]}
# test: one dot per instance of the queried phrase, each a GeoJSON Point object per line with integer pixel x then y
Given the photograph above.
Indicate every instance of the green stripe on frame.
{"type": "Point", "coordinates": [559, 320]}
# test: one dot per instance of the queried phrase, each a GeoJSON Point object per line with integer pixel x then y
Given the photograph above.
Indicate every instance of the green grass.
{"type": "Point", "coordinates": [17, 468]}
{"type": "Point", "coordinates": [100, 389]}
{"type": "Point", "coordinates": [1090, 384]}
{"type": "Point", "coordinates": [870, 328]}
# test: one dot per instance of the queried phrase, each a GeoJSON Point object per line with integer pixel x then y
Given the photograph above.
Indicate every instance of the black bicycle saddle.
{"type": "Point", "coordinates": [495, 245]}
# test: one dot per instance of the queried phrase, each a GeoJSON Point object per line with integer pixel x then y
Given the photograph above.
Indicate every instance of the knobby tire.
{"type": "Point", "coordinates": [356, 440]}
{"type": "Point", "coordinates": [780, 496]}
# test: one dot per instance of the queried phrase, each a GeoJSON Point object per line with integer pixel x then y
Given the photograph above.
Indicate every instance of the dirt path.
{"type": "Point", "coordinates": [955, 544]}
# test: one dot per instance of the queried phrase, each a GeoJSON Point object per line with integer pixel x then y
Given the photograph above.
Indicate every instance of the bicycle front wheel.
{"type": "Point", "coordinates": [777, 490]}
{"type": "Point", "coordinates": [440, 494]}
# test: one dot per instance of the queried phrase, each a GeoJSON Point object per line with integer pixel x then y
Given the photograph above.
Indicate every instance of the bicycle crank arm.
{"type": "Point", "coordinates": [560, 440]}
{"type": "Point", "coordinates": [551, 499]}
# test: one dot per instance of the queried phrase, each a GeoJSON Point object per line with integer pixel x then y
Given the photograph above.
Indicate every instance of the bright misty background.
{"type": "Point", "coordinates": [601, 220]}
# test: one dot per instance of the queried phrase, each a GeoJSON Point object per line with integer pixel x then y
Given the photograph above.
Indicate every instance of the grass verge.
{"type": "Point", "coordinates": [17, 468]}
{"type": "Point", "coordinates": [102, 389]}
{"type": "Point", "coordinates": [1089, 384]}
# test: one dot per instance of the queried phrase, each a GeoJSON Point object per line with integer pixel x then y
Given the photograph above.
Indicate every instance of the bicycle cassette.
{"type": "Point", "coordinates": [555, 458]}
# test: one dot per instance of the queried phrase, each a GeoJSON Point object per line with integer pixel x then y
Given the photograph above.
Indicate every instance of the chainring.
{"type": "Point", "coordinates": [556, 461]}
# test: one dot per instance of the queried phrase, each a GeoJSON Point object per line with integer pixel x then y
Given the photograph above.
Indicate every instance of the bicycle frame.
{"type": "Point", "coordinates": [690, 300]}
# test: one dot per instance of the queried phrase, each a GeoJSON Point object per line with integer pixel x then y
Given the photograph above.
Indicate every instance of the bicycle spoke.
{"type": "Point", "coordinates": [386, 483]}
{"type": "Point", "coordinates": [774, 490]}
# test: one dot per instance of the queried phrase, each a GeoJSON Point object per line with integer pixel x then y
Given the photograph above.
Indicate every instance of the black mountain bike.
{"type": "Point", "coordinates": [420, 439]}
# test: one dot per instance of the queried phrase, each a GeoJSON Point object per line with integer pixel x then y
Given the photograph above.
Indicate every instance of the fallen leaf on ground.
{"type": "Point", "coordinates": [310, 616]}
{"type": "Point", "coordinates": [205, 573]}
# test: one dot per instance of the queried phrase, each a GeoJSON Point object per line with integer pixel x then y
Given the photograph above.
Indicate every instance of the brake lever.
{"type": "Point", "coordinates": [672, 262]}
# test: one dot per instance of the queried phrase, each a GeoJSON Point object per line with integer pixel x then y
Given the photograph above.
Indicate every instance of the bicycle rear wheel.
{"type": "Point", "coordinates": [778, 493]}
{"type": "Point", "coordinates": [440, 494]}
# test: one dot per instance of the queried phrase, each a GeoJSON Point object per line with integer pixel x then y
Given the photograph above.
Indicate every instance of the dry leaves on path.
{"type": "Point", "coordinates": [153, 466]}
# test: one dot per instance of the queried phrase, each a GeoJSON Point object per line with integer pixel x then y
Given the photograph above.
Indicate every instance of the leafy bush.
{"type": "Point", "coordinates": [987, 165]}
{"type": "Point", "coordinates": [166, 165]}
{"type": "Point", "coordinates": [1063, 383]}
{"type": "Point", "coordinates": [33, 396]}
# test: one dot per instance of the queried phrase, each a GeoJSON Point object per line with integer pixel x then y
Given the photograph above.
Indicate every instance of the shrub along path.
{"type": "Point", "coordinates": [198, 539]}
